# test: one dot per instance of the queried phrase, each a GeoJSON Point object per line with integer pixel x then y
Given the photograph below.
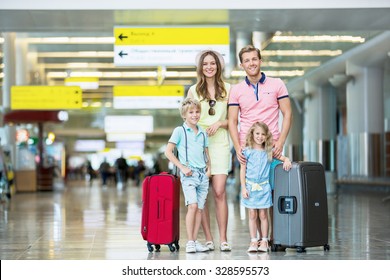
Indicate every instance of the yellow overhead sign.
{"type": "Point", "coordinates": [45, 97]}
{"type": "Point", "coordinates": [169, 90]}
{"type": "Point", "coordinates": [163, 46]}
{"type": "Point", "coordinates": [172, 35]}
{"type": "Point", "coordinates": [82, 82]}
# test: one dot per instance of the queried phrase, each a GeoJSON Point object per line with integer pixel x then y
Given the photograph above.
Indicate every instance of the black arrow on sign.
{"type": "Point", "coordinates": [121, 37]}
{"type": "Point", "coordinates": [121, 54]}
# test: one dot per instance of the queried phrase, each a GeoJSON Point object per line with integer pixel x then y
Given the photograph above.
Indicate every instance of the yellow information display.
{"type": "Point", "coordinates": [46, 97]}
{"type": "Point", "coordinates": [166, 46]}
{"type": "Point", "coordinates": [171, 35]}
{"type": "Point", "coordinates": [148, 97]}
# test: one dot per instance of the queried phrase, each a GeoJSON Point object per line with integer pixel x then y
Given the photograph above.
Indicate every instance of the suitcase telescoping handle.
{"type": "Point", "coordinates": [287, 204]}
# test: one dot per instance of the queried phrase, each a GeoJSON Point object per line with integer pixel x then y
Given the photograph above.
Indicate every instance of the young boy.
{"type": "Point", "coordinates": [194, 165]}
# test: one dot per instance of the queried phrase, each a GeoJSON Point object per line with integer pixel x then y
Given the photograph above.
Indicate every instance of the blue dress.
{"type": "Point", "coordinates": [257, 180]}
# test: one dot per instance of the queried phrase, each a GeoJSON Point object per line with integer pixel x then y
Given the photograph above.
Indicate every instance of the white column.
{"type": "Point", "coordinates": [21, 62]}
{"type": "Point", "coordinates": [293, 147]}
{"type": "Point", "coordinates": [9, 59]}
{"type": "Point", "coordinates": [261, 39]}
{"type": "Point", "coordinates": [320, 129]}
{"type": "Point", "coordinates": [243, 39]}
{"type": "Point", "coordinates": [365, 119]}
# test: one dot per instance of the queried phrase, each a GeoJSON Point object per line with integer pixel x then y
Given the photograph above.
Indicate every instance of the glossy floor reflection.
{"type": "Point", "coordinates": [80, 221]}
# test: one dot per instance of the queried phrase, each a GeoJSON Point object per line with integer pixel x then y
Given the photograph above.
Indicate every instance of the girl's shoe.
{"type": "Point", "coordinates": [263, 246]}
{"type": "Point", "coordinates": [225, 247]}
{"type": "Point", "coordinates": [252, 247]}
{"type": "Point", "coordinates": [210, 245]}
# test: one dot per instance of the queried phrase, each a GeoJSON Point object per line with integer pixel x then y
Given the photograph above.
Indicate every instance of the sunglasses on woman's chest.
{"type": "Point", "coordinates": [212, 104]}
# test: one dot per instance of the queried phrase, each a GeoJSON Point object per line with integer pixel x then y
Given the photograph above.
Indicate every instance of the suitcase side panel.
{"type": "Point", "coordinates": [315, 217]}
{"type": "Point", "coordinates": [287, 221]}
{"type": "Point", "coordinates": [280, 220]}
{"type": "Point", "coordinates": [145, 208]}
{"type": "Point", "coordinates": [163, 209]}
{"type": "Point", "coordinates": [308, 225]}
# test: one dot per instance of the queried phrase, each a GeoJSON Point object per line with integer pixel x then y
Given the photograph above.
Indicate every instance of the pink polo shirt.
{"type": "Point", "coordinates": [261, 107]}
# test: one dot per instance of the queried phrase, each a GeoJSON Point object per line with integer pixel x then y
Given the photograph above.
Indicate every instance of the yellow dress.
{"type": "Point", "coordinates": [219, 147]}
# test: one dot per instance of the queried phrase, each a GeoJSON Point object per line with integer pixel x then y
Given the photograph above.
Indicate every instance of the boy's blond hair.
{"type": "Point", "coordinates": [187, 104]}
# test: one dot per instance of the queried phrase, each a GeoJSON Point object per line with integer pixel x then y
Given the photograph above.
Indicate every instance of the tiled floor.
{"type": "Point", "coordinates": [87, 222]}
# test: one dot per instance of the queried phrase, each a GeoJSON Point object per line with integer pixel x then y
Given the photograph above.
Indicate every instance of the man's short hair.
{"type": "Point", "coordinates": [248, 48]}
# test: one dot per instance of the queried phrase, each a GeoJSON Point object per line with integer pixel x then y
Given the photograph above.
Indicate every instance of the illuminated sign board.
{"type": "Point", "coordinates": [45, 97]}
{"type": "Point", "coordinates": [83, 82]}
{"type": "Point", "coordinates": [128, 124]}
{"type": "Point", "coordinates": [154, 46]}
{"type": "Point", "coordinates": [116, 137]}
{"type": "Point", "coordinates": [147, 97]}
{"type": "Point", "coordinates": [89, 145]}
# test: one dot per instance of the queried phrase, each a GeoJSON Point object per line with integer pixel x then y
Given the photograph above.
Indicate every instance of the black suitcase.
{"type": "Point", "coordinates": [300, 207]}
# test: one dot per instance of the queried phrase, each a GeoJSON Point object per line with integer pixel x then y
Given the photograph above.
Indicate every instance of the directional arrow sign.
{"type": "Point", "coordinates": [121, 54]}
{"type": "Point", "coordinates": [46, 97]}
{"type": "Point", "coordinates": [156, 46]}
{"type": "Point", "coordinates": [121, 37]}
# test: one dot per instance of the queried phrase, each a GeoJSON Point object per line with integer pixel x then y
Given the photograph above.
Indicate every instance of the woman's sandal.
{"type": "Point", "coordinates": [225, 247]}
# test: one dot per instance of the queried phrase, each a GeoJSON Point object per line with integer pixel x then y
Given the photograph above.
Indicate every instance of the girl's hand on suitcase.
{"type": "Point", "coordinates": [287, 164]}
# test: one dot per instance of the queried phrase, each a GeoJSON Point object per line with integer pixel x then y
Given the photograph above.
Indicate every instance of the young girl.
{"type": "Point", "coordinates": [255, 187]}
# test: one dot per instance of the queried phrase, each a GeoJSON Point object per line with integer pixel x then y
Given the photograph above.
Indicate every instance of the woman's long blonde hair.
{"type": "Point", "coordinates": [249, 140]}
{"type": "Point", "coordinates": [201, 86]}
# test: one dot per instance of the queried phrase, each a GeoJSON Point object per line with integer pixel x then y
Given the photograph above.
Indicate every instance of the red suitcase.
{"type": "Point", "coordinates": [160, 211]}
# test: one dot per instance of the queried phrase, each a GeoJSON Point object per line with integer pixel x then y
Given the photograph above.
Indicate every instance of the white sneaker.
{"type": "Point", "coordinates": [200, 248]}
{"type": "Point", "coordinates": [190, 247]}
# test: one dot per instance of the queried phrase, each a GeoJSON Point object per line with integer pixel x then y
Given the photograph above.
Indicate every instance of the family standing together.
{"type": "Point", "coordinates": [211, 112]}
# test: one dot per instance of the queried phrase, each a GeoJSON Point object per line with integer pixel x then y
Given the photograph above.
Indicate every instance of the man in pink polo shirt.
{"type": "Point", "coordinates": [258, 98]}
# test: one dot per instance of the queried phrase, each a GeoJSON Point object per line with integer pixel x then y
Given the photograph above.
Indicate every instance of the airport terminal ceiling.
{"type": "Point", "coordinates": [293, 42]}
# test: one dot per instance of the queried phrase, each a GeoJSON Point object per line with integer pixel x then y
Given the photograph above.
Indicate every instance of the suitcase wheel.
{"type": "Point", "coordinates": [301, 249]}
{"type": "Point", "coordinates": [326, 247]}
{"type": "Point", "coordinates": [177, 245]}
{"type": "Point", "coordinates": [274, 247]}
{"type": "Point", "coordinates": [150, 247]}
{"type": "Point", "coordinates": [158, 247]}
{"type": "Point", "coordinates": [171, 247]}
